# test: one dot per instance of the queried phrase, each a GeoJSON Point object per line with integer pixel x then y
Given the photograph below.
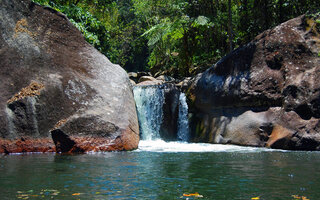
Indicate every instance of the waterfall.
{"type": "Point", "coordinates": [149, 103]}
{"type": "Point", "coordinates": [183, 123]}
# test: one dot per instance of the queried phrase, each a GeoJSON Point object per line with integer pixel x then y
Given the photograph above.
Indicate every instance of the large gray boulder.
{"type": "Point", "coordinates": [58, 93]}
{"type": "Point", "coordinates": [266, 93]}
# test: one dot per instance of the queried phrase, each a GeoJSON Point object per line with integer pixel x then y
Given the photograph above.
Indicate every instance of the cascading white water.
{"type": "Point", "coordinates": [149, 103]}
{"type": "Point", "coordinates": [183, 123]}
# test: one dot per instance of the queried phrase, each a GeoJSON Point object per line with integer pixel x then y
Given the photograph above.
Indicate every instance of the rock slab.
{"type": "Point", "coordinates": [58, 93]}
{"type": "Point", "coordinates": [266, 93]}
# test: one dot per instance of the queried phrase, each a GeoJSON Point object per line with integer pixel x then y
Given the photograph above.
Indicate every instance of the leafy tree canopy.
{"type": "Point", "coordinates": [174, 37]}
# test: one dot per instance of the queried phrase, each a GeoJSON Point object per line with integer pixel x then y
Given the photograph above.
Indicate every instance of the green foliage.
{"type": "Point", "coordinates": [110, 26]}
{"type": "Point", "coordinates": [200, 21]}
{"type": "Point", "coordinates": [177, 37]}
{"type": "Point", "coordinates": [91, 27]}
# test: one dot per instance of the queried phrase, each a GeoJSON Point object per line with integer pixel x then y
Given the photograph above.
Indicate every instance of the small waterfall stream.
{"type": "Point", "coordinates": [183, 123]}
{"type": "Point", "coordinates": [149, 104]}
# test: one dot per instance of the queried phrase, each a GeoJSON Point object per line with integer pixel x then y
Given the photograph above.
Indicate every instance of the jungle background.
{"type": "Point", "coordinates": [174, 37]}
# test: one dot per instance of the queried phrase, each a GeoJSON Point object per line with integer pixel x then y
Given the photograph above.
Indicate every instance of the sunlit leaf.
{"type": "Point", "coordinates": [200, 21]}
{"type": "Point", "coordinates": [193, 195]}
{"type": "Point", "coordinates": [299, 197]}
{"type": "Point", "coordinates": [296, 197]}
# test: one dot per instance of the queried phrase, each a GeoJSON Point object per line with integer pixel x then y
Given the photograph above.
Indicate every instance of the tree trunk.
{"type": "Point", "coordinates": [280, 11]}
{"type": "Point", "coordinates": [244, 21]}
{"type": "Point", "coordinates": [265, 14]}
{"type": "Point", "coordinates": [184, 70]}
{"type": "Point", "coordinates": [230, 26]}
{"type": "Point", "coordinates": [245, 10]}
{"type": "Point", "coordinates": [77, 1]}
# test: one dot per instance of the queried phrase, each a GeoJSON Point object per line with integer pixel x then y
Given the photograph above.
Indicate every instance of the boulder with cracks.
{"type": "Point", "coordinates": [266, 93]}
{"type": "Point", "coordinates": [58, 93]}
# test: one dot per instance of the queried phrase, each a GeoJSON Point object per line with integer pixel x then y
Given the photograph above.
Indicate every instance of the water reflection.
{"type": "Point", "coordinates": [152, 175]}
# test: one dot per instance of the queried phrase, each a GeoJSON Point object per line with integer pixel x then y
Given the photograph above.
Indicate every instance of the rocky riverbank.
{"type": "Point", "coordinates": [266, 93]}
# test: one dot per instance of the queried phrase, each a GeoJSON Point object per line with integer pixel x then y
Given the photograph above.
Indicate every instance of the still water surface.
{"type": "Point", "coordinates": [163, 171]}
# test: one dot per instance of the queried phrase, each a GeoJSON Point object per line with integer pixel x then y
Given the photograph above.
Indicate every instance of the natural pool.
{"type": "Point", "coordinates": [160, 170]}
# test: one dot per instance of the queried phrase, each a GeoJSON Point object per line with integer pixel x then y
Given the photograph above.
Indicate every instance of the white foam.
{"type": "Point", "coordinates": [162, 146]}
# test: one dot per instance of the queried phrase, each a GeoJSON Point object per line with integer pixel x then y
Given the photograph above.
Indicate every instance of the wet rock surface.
{"type": "Point", "coordinates": [169, 126]}
{"type": "Point", "coordinates": [161, 103]}
{"type": "Point", "coordinates": [53, 81]}
{"type": "Point", "coordinates": [266, 93]}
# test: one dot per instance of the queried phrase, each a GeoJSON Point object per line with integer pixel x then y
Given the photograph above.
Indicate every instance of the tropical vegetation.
{"type": "Point", "coordinates": [174, 37]}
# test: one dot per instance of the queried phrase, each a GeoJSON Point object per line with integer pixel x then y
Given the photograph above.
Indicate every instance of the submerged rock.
{"type": "Point", "coordinates": [266, 93]}
{"type": "Point", "coordinates": [58, 93]}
